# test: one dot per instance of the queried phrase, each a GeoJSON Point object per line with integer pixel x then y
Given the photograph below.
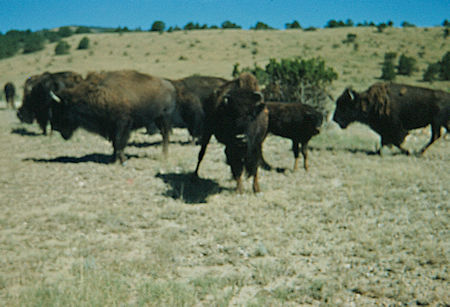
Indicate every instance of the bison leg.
{"type": "Point", "coordinates": [234, 159]}
{"type": "Point", "coordinates": [305, 155]}
{"type": "Point", "coordinates": [120, 141]}
{"type": "Point", "coordinates": [204, 141]}
{"type": "Point", "coordinates": [435, 134]}
{"type": "Point", "coordinates": [163, 125]}
{"type": "Point", "coordinates": [295, 151]}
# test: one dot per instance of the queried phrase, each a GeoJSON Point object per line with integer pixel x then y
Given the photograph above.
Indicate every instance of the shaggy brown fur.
{"type": "Point", "coordinates": [393, 109]}
{"type": "Point", "coordinates": [113, 104]}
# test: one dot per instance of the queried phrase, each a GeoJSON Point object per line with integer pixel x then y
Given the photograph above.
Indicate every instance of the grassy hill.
{"type": "Point", "coordinates": [357, 229]}
{"type": "Point", "coordinates": [214, 52]}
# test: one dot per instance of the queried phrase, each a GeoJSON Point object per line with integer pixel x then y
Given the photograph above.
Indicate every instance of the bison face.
{"type": "Point", "coordinates": [346, 110]}
{"type": "Point", "coordinates": [25, 114]}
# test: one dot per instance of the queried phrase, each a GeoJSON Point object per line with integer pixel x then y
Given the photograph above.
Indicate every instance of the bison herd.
{"type": "Point", "coordinates": [114, 103]}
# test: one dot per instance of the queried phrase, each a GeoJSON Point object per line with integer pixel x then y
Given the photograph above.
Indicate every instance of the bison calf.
{"type": "Point", "coordinates": [295, 121]}
{"type": "Point", "coordinates": [240, 122]}
{"type": "Point", "coordinates": [112, 104]}
{"type": "Point", "coordinates": [392, 110]}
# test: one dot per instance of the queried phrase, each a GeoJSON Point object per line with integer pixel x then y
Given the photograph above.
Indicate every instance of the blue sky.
{"type": "Point", "coordinates": [47, 14]}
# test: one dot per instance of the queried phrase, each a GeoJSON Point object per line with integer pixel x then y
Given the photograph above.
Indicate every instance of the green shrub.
{"type": "Point", "coordinates": [83, 30]}
{"type": "Point", "coordinates": [293, 80]}
{"type": "Point", "coordinates": [62, 48]}
{"type": "Point", "coordinates": [158, 26]}
{"type": "Point", "coordinates": [444, 72]}
{"type": "Point", "coordinates": [431, 73]}
{"type": "Point", "coordinates": [33, 42]}
{"type": "Point", "coordinates": [261, 26]}
{"type": "Point", "coordinates": [65, 32]}
{"type": "Point", "coordinates": [388, 71]}
{"type": "Point", "coordinates": [439, 70]}
{"type": "Point", "coordinates": [84, 43]}
{"type": "Point", "coordinates": [294, 25]}
{"type": "Point", "coordinates": [230, 25]}
{"type": "Point", "coordinates": [406, 65]}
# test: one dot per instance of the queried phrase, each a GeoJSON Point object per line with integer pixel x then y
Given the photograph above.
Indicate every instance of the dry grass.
{"type": "Point", "coordinates": [356, 229]}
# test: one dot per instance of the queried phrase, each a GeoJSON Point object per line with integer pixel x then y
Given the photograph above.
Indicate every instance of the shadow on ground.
{"type": "Point", "coordinates": [24, 132]}
{"type": "Point", "coordinates": [95, 158]}
{"type": "Point", "coordinates": [189, 188]}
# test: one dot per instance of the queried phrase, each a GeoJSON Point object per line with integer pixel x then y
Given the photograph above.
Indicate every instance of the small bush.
{"type": "Point", "coordinates": [65, 32]}
{"type": "Point", "coordinates": [34, 42]}
{"type": "Point", "coordinates": [431, 73]}
{"type": "Point", "coordinates": [84, 43]}
{"type": "Point", "coordinates": [261, 26]}
{"type": "Point", "coordinates": [293, 80]}
{"type": "Point", "coordinates": [406, 65]}
{"type": "Point", "coordinates": [62, 48]}
{"type": "Point", "coordinates": [294, 25]}
{"type": "Point", "coordinates": [351, 37]}
{"type": "Point", "coordinates": [388, 67]}
{"type": "Point", "coordinates": [444, 72]}
{"type": "Point", "coordinates": [158, 26]}
{"type": "Point", "coordinates": [439, 70]}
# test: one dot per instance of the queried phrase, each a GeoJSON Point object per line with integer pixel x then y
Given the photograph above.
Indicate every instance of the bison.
{"type": "Point", "coordinates": [112, 104]}
{"type": "Point", "coordinates": [192, 92]}
{"type": "Point", "coordinates": [10, 93]}
{"type": "Point", "coordinates": [296, 121]}
{"type": "Point", "coordinates": [392, 110]}
{"type": "Point", "coordinates": [240, 123]}
{"type": "Point", "coordinates": [36, 95]}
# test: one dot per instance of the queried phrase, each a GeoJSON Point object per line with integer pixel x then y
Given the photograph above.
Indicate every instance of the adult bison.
{"type": "Point", "coordinates": [112, 104]}
{"type": "Point", "coordinates": [296, 121]}
{"type": "Point", "coordinates": [192, 92]}
{"type": "Point", "coordinates": [10, 93]}
{"type": "Point", "coordinates": [240, 123]}
{"type": "Point", "coordinates": [392, 110]}
{"type": "Point", "coordinates": [36, 95]}
{"type": "Point", "coordinates": [236, 115]}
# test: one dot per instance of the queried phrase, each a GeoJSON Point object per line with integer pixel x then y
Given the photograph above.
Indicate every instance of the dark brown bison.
{"type": "Point", "coordinates": [244, 81]}
{"type": "Point", "coordinates": [392, 110]}
{"type": "Point", "coordinates": [240, 123]}
{"type": "Point", "coordinates": [10, 93]}
{"type": "Point", "coordinates": [192, 92]}
{"type": "Point", "coordinates": [296, 121]}
{"type": "Point", "coordinates": [112, 104]}
{"type": "Point", "coordinates": [36, 95]}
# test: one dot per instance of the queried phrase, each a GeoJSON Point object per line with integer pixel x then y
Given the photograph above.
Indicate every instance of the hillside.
{"type": "Point", "coordinates": [214, 52]}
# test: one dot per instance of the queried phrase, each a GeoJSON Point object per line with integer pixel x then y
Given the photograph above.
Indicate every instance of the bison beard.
{"type": "Point", "coordinates": [112, 104]}
{"type": "Point", "coordinates": [392, 110]}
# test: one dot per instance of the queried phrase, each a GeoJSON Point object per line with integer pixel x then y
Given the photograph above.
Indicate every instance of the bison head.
{"type": "Point", "coordinates": [347, 110]}
{"type": "Point", "coordinates": [61, 119]}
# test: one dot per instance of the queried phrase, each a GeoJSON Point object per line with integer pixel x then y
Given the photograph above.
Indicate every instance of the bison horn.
{"type": "Point", "coordinates": [54, 97]}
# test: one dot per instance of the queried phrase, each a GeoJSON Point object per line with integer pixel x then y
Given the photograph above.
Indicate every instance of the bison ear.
{"type": "Point", "coordinates": [54, 97]}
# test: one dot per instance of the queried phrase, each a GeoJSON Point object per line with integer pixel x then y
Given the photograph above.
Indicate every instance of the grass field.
{"type": "Point", "coordinates": [355, 230]}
